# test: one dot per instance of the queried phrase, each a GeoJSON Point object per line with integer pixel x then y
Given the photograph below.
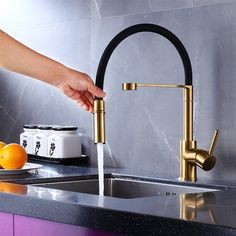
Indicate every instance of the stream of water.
{"type": "Point", "coordinates": [100, 168]}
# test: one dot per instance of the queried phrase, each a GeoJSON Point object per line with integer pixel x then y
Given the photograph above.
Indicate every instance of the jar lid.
{"type": "Point", "coordinates": [44, 127]}
{"type": "Point", "coordinates": [30, 126]}
{"type": "Point", "coordinates": [64, 128]}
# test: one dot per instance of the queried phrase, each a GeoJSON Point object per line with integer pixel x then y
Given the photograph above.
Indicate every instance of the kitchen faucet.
{"type": "Point", "coordinates": [190, 156]}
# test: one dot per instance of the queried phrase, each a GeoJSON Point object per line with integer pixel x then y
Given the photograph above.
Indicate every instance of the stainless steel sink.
{"type": "Point", "coordinates": [123, 187]}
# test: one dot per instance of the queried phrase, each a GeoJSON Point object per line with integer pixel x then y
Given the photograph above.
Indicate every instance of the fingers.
{"type": "Point", "coordinates": [96, 91]}
{"type": "Point", "coordinates": [85, 100]}
{"type": "Point", "coordinates": [90, 97]}
{"type": "Point", "coordinates": [90, 100]}
{"type": "Point", "coordinates": [83, 104]}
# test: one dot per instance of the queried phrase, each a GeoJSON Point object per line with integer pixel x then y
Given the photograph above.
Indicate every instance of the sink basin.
{"type": "Point", "coordinates": [126, 187]}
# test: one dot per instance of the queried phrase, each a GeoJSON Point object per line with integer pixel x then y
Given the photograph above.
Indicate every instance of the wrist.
{"type": "Point", "coordinates": [59, 75]}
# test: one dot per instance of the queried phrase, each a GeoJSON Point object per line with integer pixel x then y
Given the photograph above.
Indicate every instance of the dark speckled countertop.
{"type": "Point", "coordinates": [189, 214]}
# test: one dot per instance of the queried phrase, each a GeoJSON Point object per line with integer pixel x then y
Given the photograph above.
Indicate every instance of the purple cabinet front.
{"type": "Point", "coordinates": [26, 226]}
{"type": "Point", "coordinates": [6, 224]}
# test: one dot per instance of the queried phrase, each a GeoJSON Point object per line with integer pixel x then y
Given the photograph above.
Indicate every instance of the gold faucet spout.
{"type": "Point", "coordinates": [134, 86]}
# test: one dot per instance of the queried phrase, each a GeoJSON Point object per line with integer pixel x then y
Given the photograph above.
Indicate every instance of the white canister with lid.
{"type": "Point", "coordinates": [64, 142]}
{"type": "Point", "coordinates": [40, 140]}
{"type": "Point", "coordinates": [26, 138]}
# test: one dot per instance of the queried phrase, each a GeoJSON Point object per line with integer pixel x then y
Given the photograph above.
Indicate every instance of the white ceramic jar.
{"type": "Point", "coordinates": [26, 138]}
{"type": "Point", "coordinates": [40, 140]}
{"type": "Point", "coordinates": [64, 142]}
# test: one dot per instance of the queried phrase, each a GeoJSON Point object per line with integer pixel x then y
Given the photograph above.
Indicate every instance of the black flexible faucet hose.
{"type": "Point", "coordinates": [143, 28]}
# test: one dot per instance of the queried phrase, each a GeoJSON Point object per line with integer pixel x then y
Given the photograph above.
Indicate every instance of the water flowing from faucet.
{"type": "Point", "coordinates": [100, 157]}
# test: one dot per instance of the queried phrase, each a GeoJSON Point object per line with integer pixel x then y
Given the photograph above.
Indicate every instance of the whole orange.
{"type": "Point", "coordinates": [13, 156]}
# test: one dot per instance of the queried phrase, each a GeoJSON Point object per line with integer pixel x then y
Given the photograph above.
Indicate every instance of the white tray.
{"type": "Point", "coordinates": [27, 167]}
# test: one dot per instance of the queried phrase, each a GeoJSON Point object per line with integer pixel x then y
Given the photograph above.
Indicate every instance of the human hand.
{"type": "Point", "coordinates": [80, 87]}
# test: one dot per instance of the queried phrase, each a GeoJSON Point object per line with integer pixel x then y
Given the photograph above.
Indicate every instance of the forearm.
{"type": "Point", "coordinates": [17, 57]}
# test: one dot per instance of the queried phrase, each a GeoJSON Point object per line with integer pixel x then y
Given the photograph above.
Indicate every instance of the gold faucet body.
{"type": "Point", "coordinates": [190, 156]}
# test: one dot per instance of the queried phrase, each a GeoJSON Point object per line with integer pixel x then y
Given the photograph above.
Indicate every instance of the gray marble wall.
{"type": "Point", "coordinates": [143, 127]}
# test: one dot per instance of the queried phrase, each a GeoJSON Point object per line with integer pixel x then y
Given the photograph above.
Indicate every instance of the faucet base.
{"type": "Point", "coordinates": [187, 158]}
{"type": "Point", "coordinates": [188, 179]}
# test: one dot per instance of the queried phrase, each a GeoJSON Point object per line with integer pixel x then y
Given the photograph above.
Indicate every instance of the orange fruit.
{"type": "Point", "coordinates": [2, 144]}
{"type": "Point", "coordinates": [13, 156]}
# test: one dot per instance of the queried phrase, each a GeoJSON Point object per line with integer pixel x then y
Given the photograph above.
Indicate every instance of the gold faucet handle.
{"type": "Point", "coordinates": [213, 142]}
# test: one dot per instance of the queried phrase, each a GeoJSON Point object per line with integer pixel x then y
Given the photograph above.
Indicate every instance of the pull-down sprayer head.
{"type": "Point", "coordinates": [99, 121]}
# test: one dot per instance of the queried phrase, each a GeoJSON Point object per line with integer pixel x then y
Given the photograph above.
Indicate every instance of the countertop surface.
{"type": "Point", "coordinates": [181, 214]}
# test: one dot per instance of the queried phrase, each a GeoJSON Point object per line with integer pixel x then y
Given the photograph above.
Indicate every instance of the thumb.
{"type": "Point", "coordinates": [96, 91]}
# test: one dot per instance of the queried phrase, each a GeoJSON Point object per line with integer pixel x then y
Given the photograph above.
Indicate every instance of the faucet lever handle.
{"type": "Point", "coordinates": [213, 142]}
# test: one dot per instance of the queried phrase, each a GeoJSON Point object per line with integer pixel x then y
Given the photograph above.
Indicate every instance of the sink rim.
{"type": "Point", "coordinates": [174, 181]}
{"type": "Point", "coordinates": [155, 187]}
